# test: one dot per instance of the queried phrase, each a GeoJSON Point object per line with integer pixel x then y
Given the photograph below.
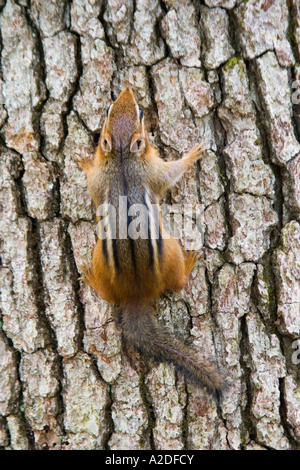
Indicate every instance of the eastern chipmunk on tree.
{"type": "Point", "coordinates": [131, 273]}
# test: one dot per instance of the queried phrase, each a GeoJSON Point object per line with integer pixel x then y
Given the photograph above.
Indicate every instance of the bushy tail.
{"type": "Point", "coordinates": [140, 329]}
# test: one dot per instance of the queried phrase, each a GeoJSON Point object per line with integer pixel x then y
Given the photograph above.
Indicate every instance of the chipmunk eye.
{"type": "Point", "coordinates": [141, 113]}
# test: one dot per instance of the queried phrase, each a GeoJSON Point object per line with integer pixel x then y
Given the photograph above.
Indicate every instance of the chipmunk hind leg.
{"type": "Point", "coordinates": [88, 276]}
{"type": "Point", "coordinates": [177, 264]}
{"type": "Point", "coordinates": [191, 257]}
{"type": "Point", "coordinates": [173, 270]}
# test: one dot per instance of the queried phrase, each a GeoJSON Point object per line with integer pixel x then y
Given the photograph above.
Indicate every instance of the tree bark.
{"type": "Point", "coordinates": [220, 71]}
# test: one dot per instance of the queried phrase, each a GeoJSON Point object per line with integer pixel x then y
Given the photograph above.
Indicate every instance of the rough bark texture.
{"type": "Point", "coordinates": [221, 71]}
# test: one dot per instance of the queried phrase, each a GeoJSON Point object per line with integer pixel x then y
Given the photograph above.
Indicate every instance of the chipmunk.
{"type": "Point", "coordinates": [131, 273]}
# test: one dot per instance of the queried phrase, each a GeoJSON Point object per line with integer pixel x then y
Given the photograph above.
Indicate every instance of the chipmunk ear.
{"type": "Point", "coordinates": [105, 143]}
{"type": "Point", "coordinates": [137, 143]}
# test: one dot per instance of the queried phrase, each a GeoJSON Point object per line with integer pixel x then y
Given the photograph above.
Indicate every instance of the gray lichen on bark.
{"type": "Point", "coordinates": [221, 71]}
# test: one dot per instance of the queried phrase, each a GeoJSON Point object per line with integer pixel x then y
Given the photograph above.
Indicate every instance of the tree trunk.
{"type": "Point", "coordinates": [220, 71]}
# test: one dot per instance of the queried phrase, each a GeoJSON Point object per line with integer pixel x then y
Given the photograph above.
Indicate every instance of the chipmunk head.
{"type": "Point", "coordinates": [123, 129]}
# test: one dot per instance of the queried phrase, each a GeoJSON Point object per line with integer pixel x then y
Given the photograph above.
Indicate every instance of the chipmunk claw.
{"type": "Point", "coordinates": [83, 162]}
{"type": "Point", "coordinates": [192, 256]}
{"type": "Point", "coordinates": [194, 154]}
{"type": "Point", "coordinates": [86, 270]}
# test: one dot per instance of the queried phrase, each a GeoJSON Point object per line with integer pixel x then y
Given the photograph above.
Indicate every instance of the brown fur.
{"type": "Point", "coordinates": [132, 273]}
